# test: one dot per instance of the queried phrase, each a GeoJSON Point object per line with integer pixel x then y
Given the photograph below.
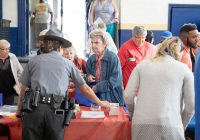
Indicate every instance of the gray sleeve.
{"type": "Point", "coordinates": [131, 90]}
{"type": "Point", "coordinates": [76, 76]}
{"type": "Point", "coordinates": [25, 78]}
{"type": "Point", "coordinates": [188, 97]}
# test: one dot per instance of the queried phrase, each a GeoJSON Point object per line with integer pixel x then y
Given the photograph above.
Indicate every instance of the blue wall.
{"type": "Point", "coordinates": [1, 9]}
{"type": "Point", "coordinates": [21, 44]}
{"type": "Point", "coordinates": [14, 40]}
{"type": "Point", "coordinates": [125, 35]}
{"type": "Point", "coordinates": [180, 14]}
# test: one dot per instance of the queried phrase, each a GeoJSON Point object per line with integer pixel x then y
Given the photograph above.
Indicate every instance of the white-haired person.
{"type": "Point", "coordinates": [104, 68]}
{"type": "Point", "coordinates": [134, 51]}
{"type": "Point", "coordinates": [165, 103]}
{"type": "Point", "coordinates": [10, 71]}
{"type": "Point", "coordinates": [70, 53]}
{"type": "Point", "coordinates": [111, 45]}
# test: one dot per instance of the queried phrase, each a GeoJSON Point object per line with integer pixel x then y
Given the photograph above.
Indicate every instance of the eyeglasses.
{"type": "Point", "coordinates": [5, 49]}
{"type": "Point", "coordinates": [139, 38]}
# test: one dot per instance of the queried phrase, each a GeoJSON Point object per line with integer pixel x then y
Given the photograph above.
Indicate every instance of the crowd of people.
{"type": "Point", "coordinates": [155, 82]}
{"type": "Point", "coordinates": [144, 77]}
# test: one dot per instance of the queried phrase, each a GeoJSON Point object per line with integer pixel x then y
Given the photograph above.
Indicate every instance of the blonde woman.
{"type": "Point", "coordinates": [10, 71]}
{"type": "Point", "coordinates": [163, 83]}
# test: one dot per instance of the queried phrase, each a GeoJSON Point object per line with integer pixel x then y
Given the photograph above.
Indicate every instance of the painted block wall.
{"type": "Point", "coordinates": [9, 8]}
{"type": "Point", "coordinates": [152, 14]}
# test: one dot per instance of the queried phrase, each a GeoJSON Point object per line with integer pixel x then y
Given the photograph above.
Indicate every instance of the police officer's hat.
{"type": "Point", "coordinates": [56, 34]}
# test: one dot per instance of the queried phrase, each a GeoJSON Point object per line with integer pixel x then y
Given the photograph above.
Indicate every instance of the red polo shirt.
{"type": "Point", "coordinates": [186, 57]}
{"type": "Point", "coordinates": [130, 50]}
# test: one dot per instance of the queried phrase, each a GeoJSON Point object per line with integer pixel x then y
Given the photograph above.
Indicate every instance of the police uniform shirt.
{"type": "Point", "coordinates": [51, 72]}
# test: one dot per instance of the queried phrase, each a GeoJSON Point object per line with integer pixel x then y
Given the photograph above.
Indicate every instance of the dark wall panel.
{"type": "Point", "coordinates": [14, 40]}
{"type": "Point", "coordinates": [1, 9]}
{"type": "Point", "coordinates": [125, 35]}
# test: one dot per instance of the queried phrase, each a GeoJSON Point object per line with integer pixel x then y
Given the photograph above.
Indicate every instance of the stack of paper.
{"type": "Point", "coordinates": [92, 114]}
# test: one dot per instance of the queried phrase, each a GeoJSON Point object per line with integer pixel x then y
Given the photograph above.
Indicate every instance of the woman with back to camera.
{"type": "Point", "coordinates": [163, 83]}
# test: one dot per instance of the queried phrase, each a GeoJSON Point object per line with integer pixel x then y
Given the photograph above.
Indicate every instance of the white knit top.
{"type": "Point", "coordinates": [165, 86]}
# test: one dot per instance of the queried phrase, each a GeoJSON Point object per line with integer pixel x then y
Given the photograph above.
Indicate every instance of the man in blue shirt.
{"type": "Point", "coordinates": [197, 95]}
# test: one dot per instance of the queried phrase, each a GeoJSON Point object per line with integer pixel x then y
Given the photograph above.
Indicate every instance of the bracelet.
{"type": "Point", "coordinates": [19, 116]}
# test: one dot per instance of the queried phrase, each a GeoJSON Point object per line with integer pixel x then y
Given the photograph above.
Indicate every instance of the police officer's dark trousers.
{"type": "Point", "coordinates": [43, 124]}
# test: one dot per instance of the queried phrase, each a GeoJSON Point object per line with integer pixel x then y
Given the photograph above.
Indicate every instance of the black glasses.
{"type": "Point", "coordinates": [139, 38]}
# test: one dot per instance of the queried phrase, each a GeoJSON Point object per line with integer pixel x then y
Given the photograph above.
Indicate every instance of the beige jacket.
{"type": "Point", "coordinates": [16, 70]}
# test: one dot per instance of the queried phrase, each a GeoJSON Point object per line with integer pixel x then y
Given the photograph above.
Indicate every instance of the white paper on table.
{"type": "Point", "coordinates": [7, 113]}
{"type": "Point", "coordinates": [92, 114]}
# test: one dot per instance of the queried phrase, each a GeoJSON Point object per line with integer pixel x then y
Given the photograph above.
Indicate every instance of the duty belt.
{"type": "Point", "coordinates": [45, 99]}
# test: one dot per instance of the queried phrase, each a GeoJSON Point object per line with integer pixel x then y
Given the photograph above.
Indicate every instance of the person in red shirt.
{"type": "Point", "coordinates": [189, 37]}
{"type": "Point", "coordinates": [70, 53]}
{"type": "Point", "coordinates": [132, 52]}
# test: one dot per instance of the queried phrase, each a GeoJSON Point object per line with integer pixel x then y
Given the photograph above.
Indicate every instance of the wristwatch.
{"type": "Point", "coordinates": [19, 116]}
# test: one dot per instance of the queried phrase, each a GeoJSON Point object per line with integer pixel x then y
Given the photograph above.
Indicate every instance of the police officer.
{"type": "Point", "coordinates": [50, 72]}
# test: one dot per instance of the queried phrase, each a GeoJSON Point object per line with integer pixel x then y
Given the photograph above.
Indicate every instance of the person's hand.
{"type": "Point", "coordinates": [31, 23]}
{"type": "Point", "coordinates": [92, 24]}
{"type": "Point", "coordinates": [19, 115]}
{"type": "Point", "coordinates": [105, 104]}
{"type": "Point", "coordinates": [51, 22]}
{"type": "Point", "coordinates": [116, 20]}
{"type": "Point", "coordinates": [91, 79]}
{"type": "Point", "coordinates": [86, 54]}
{"type": "Point", "coordinates": [94, 88]}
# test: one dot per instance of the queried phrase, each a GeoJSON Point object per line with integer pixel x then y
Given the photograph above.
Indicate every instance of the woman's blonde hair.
{"type": "Point", "coordinates": [170, 45]}
{"type": "Point", "coordinates": [73, 49]}
{"type": "Point", "coordinates": [4, 43]}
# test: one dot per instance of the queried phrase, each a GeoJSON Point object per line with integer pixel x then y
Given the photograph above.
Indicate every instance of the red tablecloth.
{"type": "Point", "coordinates": [15, 127]}
{"type": "Point", "coordinates": [109, 128]}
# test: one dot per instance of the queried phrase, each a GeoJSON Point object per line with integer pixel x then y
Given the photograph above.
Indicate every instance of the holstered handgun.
{"type": "Point", "coordinates": [69, 109]}
{"type": "Point", "coordinates": [36, 97]}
